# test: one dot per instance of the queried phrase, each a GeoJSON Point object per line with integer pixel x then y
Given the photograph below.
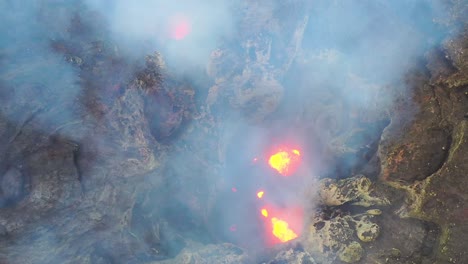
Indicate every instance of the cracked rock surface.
{"type": "Point", "coordinates": [106, 159]}
{"type": "Point", "coordinates": [431, 170]}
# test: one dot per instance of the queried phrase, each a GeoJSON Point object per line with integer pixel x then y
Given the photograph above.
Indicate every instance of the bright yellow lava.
{"type": "Point", "coordinates": [260, 194]}
{"type": "Point", "coordinates": [265, 212]}
{"type": "Point", "coordinates": [285, 161]}
{"type": "Point", "coordinates": [281, 230]}
{"type": "Point", "coordinates": [280, 161]}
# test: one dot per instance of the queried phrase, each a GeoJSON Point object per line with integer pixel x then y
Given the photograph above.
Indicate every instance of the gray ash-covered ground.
{"type": "Point", "coordinates": [111, 153]}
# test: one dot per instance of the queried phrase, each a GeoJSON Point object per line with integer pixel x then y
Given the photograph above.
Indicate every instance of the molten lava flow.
{"type": "Point", "coordinates": [282, 224]}
{"type": "Point", "coordinates": [281, 230]}
{"type": "Point", "coordinates": [260, 194]}
{"type": "Point", "coordinates": [286, 161]}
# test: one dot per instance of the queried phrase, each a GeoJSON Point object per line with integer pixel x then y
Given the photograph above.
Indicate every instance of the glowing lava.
{"type": "Point", "coordinates": [281, 230]}
{"type": "Point", "coordinates": [282, 224]}
{"type": "Point", "coordinates": [233, 228]}
{"type": "Point", "coordinates": [260, 194]}
{"type": "Point", "coordinates": [285, 161]}
{"type": "Point", "coordinates": [179, 27]}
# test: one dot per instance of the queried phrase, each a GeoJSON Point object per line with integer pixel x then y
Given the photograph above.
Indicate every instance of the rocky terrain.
{"type": "Point", "coordinates": [109, 158]}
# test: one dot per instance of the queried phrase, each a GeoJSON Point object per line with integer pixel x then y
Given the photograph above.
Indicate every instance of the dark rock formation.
{"type": "Point", "coordinates": [430, 168]}
{"type": "Point", "coordinates": [108, 158]}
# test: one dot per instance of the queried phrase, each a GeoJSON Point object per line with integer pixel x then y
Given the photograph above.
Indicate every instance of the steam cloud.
{"type": "Point", "coordinates": [153, 22]}
{"type": "Point", "coordinates": [29, 64]}
{"type": "Point", "coordinates": [350, 52]}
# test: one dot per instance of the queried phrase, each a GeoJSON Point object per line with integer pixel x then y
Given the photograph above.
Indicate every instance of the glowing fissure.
{"type": "Point", "coordinates": [278, 226]}
{"type": "Point", "coordinates": [281, 230]}
{"type": "Point", "coordinates": [260, 194]}
{"type": "Point", "coordinates": [285, 162]}
{"type": "Point", "coordinates": [280, 161]}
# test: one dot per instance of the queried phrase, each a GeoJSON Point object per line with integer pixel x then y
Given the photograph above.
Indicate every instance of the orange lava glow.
{"type": "Point", "coordinates": [282, 224]}
{"type": "Point", "coordinates": [281, 230]}
{"type": "Point", "coordinates": [285, 161]}
{"type": "Point", "coordinates": [179, 27]}
{"type": "Point", "coordinates": [260, 194]}
{"type": "Point", "coordinates": [233, 228]}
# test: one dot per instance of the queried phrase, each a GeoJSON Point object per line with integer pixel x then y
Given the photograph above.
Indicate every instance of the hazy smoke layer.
{"type": "Point", "coordinates": [352, 61]}
{"type": "Point", "coordinates": [183, 30]}
{"type": "Point", "coordinates": [32, 75]}
{"type": "Point", "coordinates": [347, 69]}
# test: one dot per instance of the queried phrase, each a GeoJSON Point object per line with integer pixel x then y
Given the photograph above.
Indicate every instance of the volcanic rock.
{"type": "Point", "coordinates": [220, 253]}
{"type": "Point", "coordinates": [292, 256]}
{"type": "Point", "coordinates": [328, 239]}
{"type": "Point", "coordinates": [357, 190]}
{"type": "Point", "coordinates": [12, 185]}
{"type": "Point", "coordinates": [325, 238]}
{"type": "Point", "coordinates": [351, 253]}
{"type": "Point", "coordinates": [248, 78]}
{"type": "Point", "coordinates": [366, 230]}
{"type": "Point", "coordinates": [90, 173]}
{"type": "Point", "coordinates": [456, 52]}
{"type": "Point", "coordinates": [430, 170]}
